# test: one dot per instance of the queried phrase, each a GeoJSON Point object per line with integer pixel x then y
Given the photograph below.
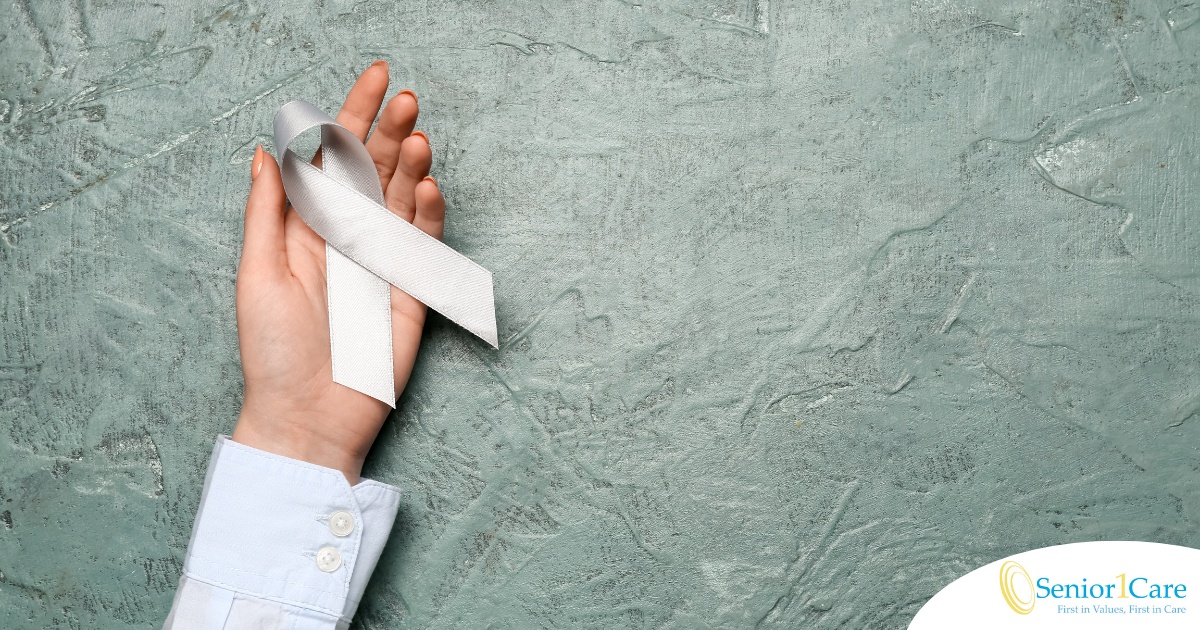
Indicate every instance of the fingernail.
{"type": "Point", "coordinates": [379, 62]}
{"type": "Point", "coordinates": [256, 165]}
{"type": "Point", "coordinates": [423, 136]}
{"type": "Point", "coordinates": [431, 179]}
{"type": "Point", "coordinates": [408, 92]}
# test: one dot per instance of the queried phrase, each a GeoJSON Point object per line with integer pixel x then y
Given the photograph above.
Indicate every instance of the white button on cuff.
{"type": "Point", "coordinates": [328, 559]}
{"type": "Point", "coordinates": [341, 524]}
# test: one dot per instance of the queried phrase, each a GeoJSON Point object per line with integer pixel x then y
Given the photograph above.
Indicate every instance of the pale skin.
{"type": "Point", "coordinates": [291, 405]}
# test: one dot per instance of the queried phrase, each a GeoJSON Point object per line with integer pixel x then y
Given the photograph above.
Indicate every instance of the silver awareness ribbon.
{"type": "Point", "coordinates": [367, 248]}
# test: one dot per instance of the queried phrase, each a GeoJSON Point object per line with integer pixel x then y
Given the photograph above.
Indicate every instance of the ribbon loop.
{"type": "Point", "coordinates": [368, 248]}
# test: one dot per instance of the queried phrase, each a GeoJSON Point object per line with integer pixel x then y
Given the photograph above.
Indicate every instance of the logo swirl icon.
{"type": "Point", "coordinates": [1017, 587]}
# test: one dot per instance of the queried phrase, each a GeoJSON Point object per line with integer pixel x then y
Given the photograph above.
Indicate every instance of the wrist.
{"type": "Point", "coordinates": [296, 440]}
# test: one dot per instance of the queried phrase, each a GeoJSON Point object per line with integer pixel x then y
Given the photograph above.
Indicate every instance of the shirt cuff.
{"type": "Point", "coordinates": [288, 531]}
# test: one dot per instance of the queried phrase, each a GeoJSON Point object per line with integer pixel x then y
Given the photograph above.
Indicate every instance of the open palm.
{"type": "Point", "coordinates": [291, 406]}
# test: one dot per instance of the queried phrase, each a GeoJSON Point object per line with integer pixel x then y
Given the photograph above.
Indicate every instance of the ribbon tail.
{"type": "Point", "coordinates": [360, 328]}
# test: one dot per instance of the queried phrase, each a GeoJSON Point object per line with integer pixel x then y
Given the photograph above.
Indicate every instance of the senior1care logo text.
{"type": "Point", "coordinates": [1081, 585]}
{"type": "Point", "coordinates": [1021, 593]}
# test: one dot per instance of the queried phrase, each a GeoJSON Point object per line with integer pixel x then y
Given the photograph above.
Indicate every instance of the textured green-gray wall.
{"type": "Point", "coordinates": [806, 308]}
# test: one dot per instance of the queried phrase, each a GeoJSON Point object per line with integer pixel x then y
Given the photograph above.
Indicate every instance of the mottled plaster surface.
{"type": "Point", "coordinates": [806, 308]}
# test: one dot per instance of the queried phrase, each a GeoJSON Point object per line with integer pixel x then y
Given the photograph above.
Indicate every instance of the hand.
{"type": "Point", "coordinates": [291, 405]}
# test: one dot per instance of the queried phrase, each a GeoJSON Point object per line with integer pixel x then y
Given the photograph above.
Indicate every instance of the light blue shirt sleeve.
{"type": "Point", "coordinates": [279, 544]}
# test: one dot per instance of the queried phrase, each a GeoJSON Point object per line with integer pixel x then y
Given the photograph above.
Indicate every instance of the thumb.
{"type": "Point", "coordinates": [263, 246]}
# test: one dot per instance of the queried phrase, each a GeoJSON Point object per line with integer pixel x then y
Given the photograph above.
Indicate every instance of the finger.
{"type": "Point", "coordinates": [395, 124]}
{"type": "Point", "coordinates": [362, 103]}
{"type": "Point", "coordinates": [264, 248]}
{"type": "Point", "coordinates": [411, 168]}
{"type": "Point", "coordinates": [431, 208]}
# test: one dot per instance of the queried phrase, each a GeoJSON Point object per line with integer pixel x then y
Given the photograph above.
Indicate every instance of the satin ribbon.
{"type": "Point", "coordinates": [367, 248]}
